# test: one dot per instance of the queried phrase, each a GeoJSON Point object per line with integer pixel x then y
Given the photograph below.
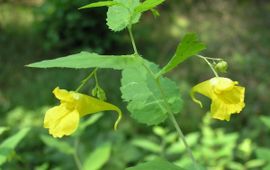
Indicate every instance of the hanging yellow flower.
{"type": "Point", "coordinates": [64, 119]}
{"type": "Point", "coordinates": [227, 98]}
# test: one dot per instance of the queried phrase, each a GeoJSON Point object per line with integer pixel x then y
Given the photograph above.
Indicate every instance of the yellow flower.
{"type": "Point", "coordinates": [227, 98]}
{"type": "Point", "coordinates": [64, 119]}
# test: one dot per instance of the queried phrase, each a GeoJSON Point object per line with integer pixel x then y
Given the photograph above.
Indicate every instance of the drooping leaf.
{"type": "Point", "coordinates": [121, 15]}
{"type": "Point", "coordinates": [88, 60]}
{"type": "Point", "coordinates": [148, 5]}
{"type": "Point", "coordinates": [157, 164]}
{"type": "Point", "coordinates": [8, 145]}
{"type": "Point", "coordinates": [99, 4]}
{"type": "Point", "coordinates": [98, 157]}
{"type": "Point", "coordinates": [145, 101]}
{"type": "Point", "coordinates": [189, 46]}
{"type": "Point", "coordinates": [57, 144]}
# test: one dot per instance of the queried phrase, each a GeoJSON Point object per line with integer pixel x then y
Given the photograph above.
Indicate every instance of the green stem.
{"type": "Point", "coordinates": [76, 156]}
{"type": "Point", "coordinates": [84, 81]}
{"type": "Point", "coordinates": [132, 39]}
{"type": "Point", "coordinates": [171, 115]}
{"type": "Point", "coordinates": [175, 124]}
{"type": "Point", "coordinates": [96, 79]}
{"type": "Point", "coordinates": [210, 58]}
{"type": "Point", "coordinates": [210, 65]}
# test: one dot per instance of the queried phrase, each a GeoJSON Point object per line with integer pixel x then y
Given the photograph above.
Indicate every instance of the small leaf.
{"type": "Point", "coordinates": [121, 15]}
{"type": "Point", "coordinates": [189, 46]}
{"type": "Point", "coordinates": [8, 145]}
{"type": "Point", "coordinates": [157, 164]}
{"type": "Point", "coordinates": [148, 5]}
{"type": "Point", "coordinates": [99, 4]}
{"type": "Point", "coordinates": [88, 60]}
{"type": "Point", "coordinates": [57, 144]}
{"type": "Point", "coordinates": [98, 158]}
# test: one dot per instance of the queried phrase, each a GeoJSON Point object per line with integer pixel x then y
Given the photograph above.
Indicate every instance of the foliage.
{"type": "Point", "coordinates": [222, 25]}
{"type": "Point", "coordinates": [71, 27]}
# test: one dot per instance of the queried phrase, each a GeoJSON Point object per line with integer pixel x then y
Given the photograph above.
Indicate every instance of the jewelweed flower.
{"type": "Point", "coordinates": [64, 119]}
{"type": "Point", "coordinates": [227, 98]}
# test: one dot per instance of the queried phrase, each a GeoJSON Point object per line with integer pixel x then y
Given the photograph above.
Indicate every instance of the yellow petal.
{"type": "Point", "coordinates": [87, 105]}
{"type": "Point", "coordinates": [205, 88]}
{"type": "Point", "coordinates": [223, 111]}
{"type": "Point", "coordinates": [227, 98]}
{"type": "Point", "coordinates": [53, 115]}
{"type": "Point", "coordinates": [221, 84]}
{"type": "Point", "coordinates": [63, 95]}
{"type": "Point", "coordinates": [66, 125]}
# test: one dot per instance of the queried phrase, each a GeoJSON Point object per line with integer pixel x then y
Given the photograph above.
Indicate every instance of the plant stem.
{"type": "Point", "coordinates": [210, 65]}
{"type": "Point", "coordinates": [75, 154]}
{"type": "Point", "coordinates": [84, 81]}
{"type": "Point", "coordinates": [171, 115]}
{"type": "Point", "coordinates": [132, 39]}
{"type": "Point", "coordinates": [177, 127]}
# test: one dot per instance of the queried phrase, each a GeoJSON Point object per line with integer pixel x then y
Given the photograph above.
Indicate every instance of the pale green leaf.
{"type": "Point", "coordinates": [147, 145]}
{"type": "Point", "coordinates": [189, 46]}
{"type": "Point", "coordinates": [148, 5]}
{"type": "Point", "coordinates": [9, 145]}
{"type": "Point", "coordinates": [57, 144]}
{"type": "Point", "coordinates": [121, 15]}
{"type": "Point", "coordinates": [88, 60]}
{"type": "Point", "coordinates": [98, 158]}
{"type": "Point", "coordinates": [157, 164]}
{"type": "Point", "coordinates": [145, 101]}
{"type": "Point", "coordinates": [99, 4]}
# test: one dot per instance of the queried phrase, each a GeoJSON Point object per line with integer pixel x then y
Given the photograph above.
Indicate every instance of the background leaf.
{"type": "Point", "coordinates": [148, 5]}
{"type": "Point", "coordinates": [145, 100]}
{"type": "Point", "coordinates": [157, 164]}
{"type": "Point", "coordinates": [98, 158]}
{"type": "Point", "coordinates": [99, 4]}
{"type": "Point", "coordinates": [88, 60]}
{"type": "Point", "coordinates": [121, 15]}
{"type": "Point", "coordinates": [265, 120]}
{"type": "Point", "coordinates": [61, 146]}
{"type": "Point", "coordinates": [189, 46]}
{"type": "Point", "coordinates": [8, 145]}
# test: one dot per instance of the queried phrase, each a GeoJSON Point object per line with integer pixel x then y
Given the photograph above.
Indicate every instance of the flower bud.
{"type": "Point", "coordinates": [221, 66]}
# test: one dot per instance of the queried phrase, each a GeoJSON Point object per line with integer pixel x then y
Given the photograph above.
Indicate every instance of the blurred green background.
{"type": "Point", "coordinates": [32, 30]}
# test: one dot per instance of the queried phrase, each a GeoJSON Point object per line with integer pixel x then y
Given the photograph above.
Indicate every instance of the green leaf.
{"type": "Point", "coordinates": [8, 145]}
{"type": "Point", "coordinates": [148, 5]}
{"type": "Point", "coordinates": [145, 101]}
{"type": "Point", "coordinates": [265, 120]}
{"type": "Point", "coordinates": [121, 15]}
{"type": "Point", "coordinates": [99, 4]}
{"type": "Point", "coordinates": [263, 153]}
{"type": "Point", "coordinates": [189, 46]}
{"type": "Point", "coordinates": [147, 145]}
{"type": "Point", "coordinates": [57, 144]}
{"type": "Point", "coordinates": [3, 129]}
{"type": "Point", "coordinates": [157, 164]}
{"type": "Point", "coordinates": [88, 60]}
{"type": "Point", "coordinates": [98, 158]}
